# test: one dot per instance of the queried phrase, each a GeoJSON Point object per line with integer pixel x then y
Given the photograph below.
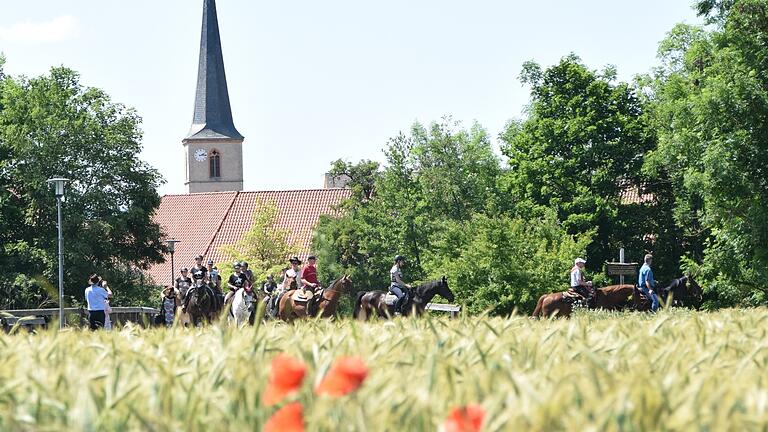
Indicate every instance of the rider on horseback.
{"type": "Point", "coordinates": [199, 276]}
{"type": "Point", "coordinates": [183, 282]}
{"type": "Point", "coordinates": [236, 281]}
{"type": "Point", "coordinates": [309, 281]}
{"type": "Point", "coordinates": [293, 273]}
{"type": "Point", "coordinates": [579, 284]}
{"type": "Point", "coordinates": [396, 284]}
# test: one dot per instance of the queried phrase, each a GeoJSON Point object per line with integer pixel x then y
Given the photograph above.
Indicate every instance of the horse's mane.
{"type": "Point", "coordinates": [675, 284]}
{"type": "Point", "coordinates": [426, 286]}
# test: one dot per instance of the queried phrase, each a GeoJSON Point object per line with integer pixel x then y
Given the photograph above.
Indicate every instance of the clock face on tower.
{"type": "Point", "coordinates": [200, 155]}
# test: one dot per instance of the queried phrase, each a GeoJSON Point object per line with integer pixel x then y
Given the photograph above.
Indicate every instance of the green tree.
{"type": "Point", "coordinates": [711, 110]}
{"type": "Point", "coordinates": [579, 150]}
{"type": "Point", "coordinates": [54, 126]}
{"type": "Point", "coordinates": [436, 173]}
{"type": "Point", "coordinates": [500, 264]}
{"type": "Point", "coordinates": [264, 246]}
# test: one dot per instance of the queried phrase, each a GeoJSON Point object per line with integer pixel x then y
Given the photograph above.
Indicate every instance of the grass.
{"type": "Point", "coordinates": [678, 370]}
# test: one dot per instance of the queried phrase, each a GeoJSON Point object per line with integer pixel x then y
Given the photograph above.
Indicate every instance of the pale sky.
{"type": "Point", "coordinates": [314, 81]}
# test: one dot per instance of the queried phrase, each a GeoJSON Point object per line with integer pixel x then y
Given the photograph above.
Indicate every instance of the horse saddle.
{"type": "Point", "coordinates": [572, 294]}
{"type": "Point", "coordinates": [640, 294]}
{"type": "Point", "coordinates": [390, 299]}
{"type": "Point", "coordinates": [301, 296]}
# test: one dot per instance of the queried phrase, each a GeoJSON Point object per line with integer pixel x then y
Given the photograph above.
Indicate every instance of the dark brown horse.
{"type": "Point", "coordinates": [683, 292]}
{"type": "Point", "coordinates": [372, 303]}
{"type": "Point", "coordinates": [325, 302]}
{"type": "Point", "coordinates": [201, 306]}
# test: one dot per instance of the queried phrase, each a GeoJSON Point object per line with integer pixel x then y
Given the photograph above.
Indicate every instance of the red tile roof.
{"type": "Point", "coordinates": [204, 222]}
{"type": "Point", "coordinates": [635, 195]}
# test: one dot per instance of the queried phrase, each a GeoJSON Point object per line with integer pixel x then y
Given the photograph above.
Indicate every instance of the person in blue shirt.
{"type": "Point", "coordinates": [96, 297]}
{"type": "Point", "coordinates": [647, 284]}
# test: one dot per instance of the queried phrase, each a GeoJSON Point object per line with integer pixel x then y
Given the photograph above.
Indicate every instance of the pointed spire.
{"type": "Point", "coordinates": [213, 115]}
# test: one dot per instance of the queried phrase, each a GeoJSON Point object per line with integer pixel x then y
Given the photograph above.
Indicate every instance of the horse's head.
{"type": "Point", "coordinates": [695, 291]}
{"type": "Point", "coordinates": [439, 287]}
{"type": "Point", "coordinates": [346, 283]}
{"type": "Point", "coordinates": [248, 297]}
{"type": "Point", "coordinates": [444, 290]}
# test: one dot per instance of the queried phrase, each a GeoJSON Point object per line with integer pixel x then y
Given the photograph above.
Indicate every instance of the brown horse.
{"type": "Point", "coordinates": [373, 303]}
{"type": "Point", "coordinates": [325, 302]}
{"type": "Point", "coordinates": [612, 297]}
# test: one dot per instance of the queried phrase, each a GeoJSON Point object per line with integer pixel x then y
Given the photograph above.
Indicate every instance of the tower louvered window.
{"type": "Point", "coordinates": [215, 161]}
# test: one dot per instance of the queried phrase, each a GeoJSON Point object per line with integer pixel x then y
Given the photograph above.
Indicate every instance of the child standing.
{"type": "Point", "coordinates": [107, 308]}
{"type": "Point", "coordinates": [168, 308]}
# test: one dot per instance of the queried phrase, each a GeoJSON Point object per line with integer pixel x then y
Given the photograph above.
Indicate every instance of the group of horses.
{"type": "Point", "coordinates": [683, 291]}
{"type": "Point", "coordinates": [204, 306]}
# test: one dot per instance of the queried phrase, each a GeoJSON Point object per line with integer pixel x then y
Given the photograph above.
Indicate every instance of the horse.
{"type": "Point", "coordinates": [201, 305]}
{"type": "Point", "coordinates": [241, 306]}
{"type": "Point", "coordinates": [685, 292]}
{"type": "Point", "coordinates": [612, 297]}
{"type": "Point", "coordinates": [323, 303]}
{"type": "Point", "coordinates": [374, 302]}
{"type": "Point", "coordinates": [183, 318]}
{"type": "Point", "coordinates": [620, 297]}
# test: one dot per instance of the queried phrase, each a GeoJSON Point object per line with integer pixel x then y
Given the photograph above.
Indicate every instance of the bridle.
{"type": "Point", "coordinates": [333, 290]}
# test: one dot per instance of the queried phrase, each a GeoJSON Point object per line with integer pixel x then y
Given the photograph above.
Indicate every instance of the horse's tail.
{"type": "Point", "coordinates": [358, 303]}
{"type": "Point", "coordinates": [539, 305]}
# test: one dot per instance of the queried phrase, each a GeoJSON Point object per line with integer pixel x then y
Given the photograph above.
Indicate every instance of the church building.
{"type": "Point", "coordinates": [215, 211]}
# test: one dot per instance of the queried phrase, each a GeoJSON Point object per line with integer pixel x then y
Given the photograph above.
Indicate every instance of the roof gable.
{"type": "Point", "coordinates": [204, 222]}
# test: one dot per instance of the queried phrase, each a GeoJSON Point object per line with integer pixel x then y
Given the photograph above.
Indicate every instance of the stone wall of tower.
{"type": "Point", "coordinates": [231, 164]}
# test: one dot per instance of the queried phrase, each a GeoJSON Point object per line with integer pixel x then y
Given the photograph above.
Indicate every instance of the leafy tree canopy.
{"type": "Point", "coordinates": [54, 126]}
{"type": "Point", "coordinates": [711, 111]}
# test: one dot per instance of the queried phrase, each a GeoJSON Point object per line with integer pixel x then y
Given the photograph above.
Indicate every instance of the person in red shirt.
{"type": "Point", "coordinates": [309, 274]}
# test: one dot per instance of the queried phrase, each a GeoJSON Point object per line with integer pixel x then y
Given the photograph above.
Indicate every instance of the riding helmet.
{"type": "Point", "coordinates": [399, 258]}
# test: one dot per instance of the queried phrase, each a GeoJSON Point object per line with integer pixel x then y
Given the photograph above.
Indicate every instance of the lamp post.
{"type": "Point", "coordinates": [58, 186]}
{"type": "Point", "coordinates": [171, 248]}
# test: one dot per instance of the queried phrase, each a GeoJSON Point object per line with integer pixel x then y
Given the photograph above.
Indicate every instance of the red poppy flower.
{"type": "Point", "coordinates": [345, 376]}
{"type": "Point", "coordinates": [285, 378]}
{"type": "Point", "coordinates": [468, 418]}
{"type": "Point", "coordinates": [289, 418]}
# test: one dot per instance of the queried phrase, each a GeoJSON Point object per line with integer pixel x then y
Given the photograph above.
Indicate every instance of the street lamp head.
{"type": "Point", "coordinates": [58, 185]}
{"type": "Point", "coordinates": [171, 244]}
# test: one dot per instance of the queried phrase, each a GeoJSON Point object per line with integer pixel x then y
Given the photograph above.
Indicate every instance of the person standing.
{"type": "Point", "coordinates": [647, 284]}
{"type": "Point", "coordinates": [168, 306]}
{"type": "Point", "coordinates": [95, 297]}
{"type": "Point", "coordinates": [107, 307]}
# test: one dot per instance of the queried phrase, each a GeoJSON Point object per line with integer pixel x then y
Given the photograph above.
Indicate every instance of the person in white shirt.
{"type": "Point", "coordinates": [107, 307]}
{"type": "Point", "coordinates": [578, 283]}
{"type": "Point", "coordinates": [96, 297]}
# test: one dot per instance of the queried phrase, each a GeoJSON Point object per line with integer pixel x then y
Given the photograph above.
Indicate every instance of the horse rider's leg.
{"type": "Point", "coordinates": [398, 292]}
{"type": "Point", "coordinates": [186, 300]}
{"type": "Point", "coordinates": [654, 302]}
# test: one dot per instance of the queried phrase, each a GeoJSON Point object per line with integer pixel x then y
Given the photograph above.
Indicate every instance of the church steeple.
{"type": "Point", "coordinates": [213, 148]}
{"type": "Point", "coordinates": [213, 115]}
